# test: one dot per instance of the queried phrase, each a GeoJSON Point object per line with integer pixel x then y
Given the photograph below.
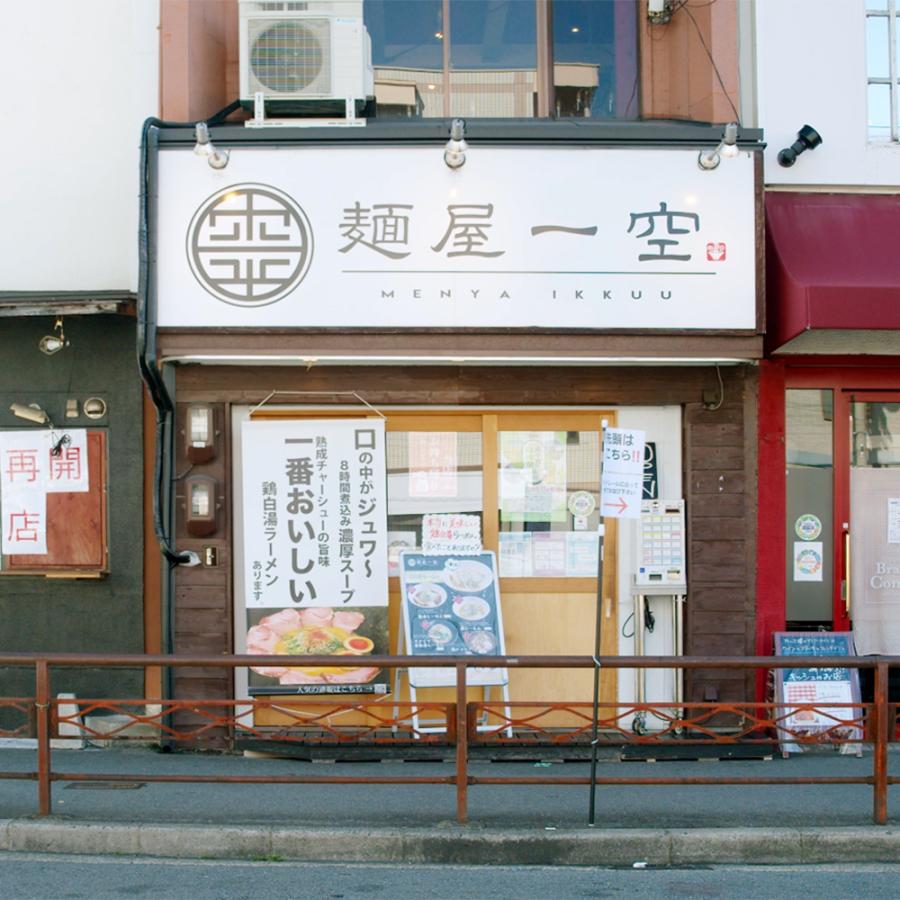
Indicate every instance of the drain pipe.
{"type": "Point", "coordinates": [147, 361]}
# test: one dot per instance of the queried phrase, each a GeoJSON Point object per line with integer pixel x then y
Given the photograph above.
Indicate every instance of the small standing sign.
{"type": "Point", "coordinates": [803, 695]}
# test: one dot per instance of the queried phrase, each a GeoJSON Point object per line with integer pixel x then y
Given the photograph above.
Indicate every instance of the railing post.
{"type": "Point", "coordinates": [462, 747]}
{"type": "Point", "coordinates": [881, 742]}
{"type": "Point", "coordinates": [42, 715]}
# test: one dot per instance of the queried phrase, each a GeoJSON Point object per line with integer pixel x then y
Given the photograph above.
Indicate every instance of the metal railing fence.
{"type": "Point", "coordinates": [465, 723]}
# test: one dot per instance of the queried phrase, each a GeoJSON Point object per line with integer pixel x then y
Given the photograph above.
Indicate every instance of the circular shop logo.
{"type": "Point", "coordinates": [249, 245]}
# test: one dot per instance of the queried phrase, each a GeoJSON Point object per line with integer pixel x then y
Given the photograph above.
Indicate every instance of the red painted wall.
{"type": "Point", "coordinates": [770, 574]}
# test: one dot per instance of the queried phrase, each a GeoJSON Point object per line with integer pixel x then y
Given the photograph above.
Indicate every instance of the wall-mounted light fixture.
{"type": "Point", "coordinates": [659, 12]}
{"type": "Point", "coordinates": [455, 151]}
{"type": "Point", "coordinates": [807, 139]}
{"type": "Point", "coordinates": [53, 343]}
{"type": "Point", "coordinates": [200, 512]}
{"type": "Point", "coordinates": [727, 147]}
{"type": "Point", "coordinates": [94, 407]}
{"type": "Point", "coordinates": [217, 158]}
{"type": "Point", "coordinates": [200, 433]}
{"type": "Point", "coordinates": [31, 413]}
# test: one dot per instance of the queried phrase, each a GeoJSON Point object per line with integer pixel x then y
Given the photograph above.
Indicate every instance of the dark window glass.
{"type": "Point", "coordinates": [809, 420]}
{"type": "Point", "coordinates": [595, 59]}
{"type": "Point", "coordinates": [408, 56]}
{"type": "Point", "coordinates": [492, 50]}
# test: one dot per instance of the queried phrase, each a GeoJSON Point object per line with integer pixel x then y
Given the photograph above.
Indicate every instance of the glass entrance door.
{"type": "Point", "coordinates": [871, 583]}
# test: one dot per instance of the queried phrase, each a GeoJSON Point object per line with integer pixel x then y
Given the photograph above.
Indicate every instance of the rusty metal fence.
{"type": "Point", "coordinates": [465, 724]}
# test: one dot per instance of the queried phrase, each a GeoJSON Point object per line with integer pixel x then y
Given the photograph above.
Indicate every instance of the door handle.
{"type": "Point", "coordinates": [845, 584]}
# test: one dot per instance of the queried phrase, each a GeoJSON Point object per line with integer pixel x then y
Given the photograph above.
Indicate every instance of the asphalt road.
{"type": "Point", "coordinates": [27, 876]}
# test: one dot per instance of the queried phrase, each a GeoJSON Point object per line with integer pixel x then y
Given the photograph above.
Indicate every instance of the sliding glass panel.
{"type": "Point", "coordinates": [549, 491]}
{"type": "Point", "coordinates": [430, 472]}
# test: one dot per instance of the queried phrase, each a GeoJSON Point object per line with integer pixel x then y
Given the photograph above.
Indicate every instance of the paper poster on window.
{"type": "Point", "coordinates": [893, 520]}
{"type": "Point", "coordinates": [533, 476]}
{"type": "Point", "coordinates": [515, 554]}
{"type": "Point", "coordinates": [397, 541]}
{"type": "Point", "coordinates": [32, 464]}
{"type": "Point", "coordinates": [808, 560]}
{"type": "Point", "coordinates": [581, 555]}
{"type": "Point", "coordinates": [451, 533]}
{"type": "Point", "coordinates": [548, 554]}
{"type": "Point", "coordinates": [433, 464]}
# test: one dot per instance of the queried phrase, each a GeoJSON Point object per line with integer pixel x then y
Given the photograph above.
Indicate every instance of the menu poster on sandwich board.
{"type": "Point", "coordinates": [451, 607]}
{"type": "Point", "coordinates": [805, 694]}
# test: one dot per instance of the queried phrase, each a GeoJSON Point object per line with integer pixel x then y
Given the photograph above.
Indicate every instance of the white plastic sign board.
{"type": "Point", "coordinates": [389, 237]}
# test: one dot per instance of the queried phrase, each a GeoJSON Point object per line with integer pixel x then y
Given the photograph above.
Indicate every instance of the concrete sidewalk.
{"type": "Point", "coordinates": [546, 824]}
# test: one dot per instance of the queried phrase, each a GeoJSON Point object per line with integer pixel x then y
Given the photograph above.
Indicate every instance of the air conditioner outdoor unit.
{"type": "Point", "coordinates": [307, 58]}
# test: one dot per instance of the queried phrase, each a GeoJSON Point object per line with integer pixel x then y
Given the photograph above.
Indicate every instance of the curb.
{"type": "Point", "coordinates": [459, 845]}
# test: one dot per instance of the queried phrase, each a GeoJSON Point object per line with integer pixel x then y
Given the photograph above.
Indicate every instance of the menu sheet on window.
{"type": "Point", "coordinates": [451, 607]}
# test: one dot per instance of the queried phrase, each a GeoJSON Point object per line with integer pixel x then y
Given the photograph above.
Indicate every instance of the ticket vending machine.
{"type": "Point", "coordinates": [661, 572]}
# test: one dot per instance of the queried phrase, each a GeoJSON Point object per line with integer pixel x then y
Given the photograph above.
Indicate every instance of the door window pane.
{"type": "Point", "coordinates": [429, 472]}
{"type": "Point", "coordinates": [810, 491]}
{"type": "Point", "coordinates": [549, 494]}
{"type": "Point", "coordinates": [875, 526]}
{"type": "Point", "coordinates": [876, 435]}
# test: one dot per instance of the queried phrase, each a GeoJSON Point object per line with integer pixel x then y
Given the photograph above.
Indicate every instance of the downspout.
{"type": "Point", "coordinates": [147, 355]}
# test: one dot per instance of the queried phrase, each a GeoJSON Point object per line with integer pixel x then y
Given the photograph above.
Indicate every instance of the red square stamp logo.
{"type": "Point", "coordinates": [716, 251]}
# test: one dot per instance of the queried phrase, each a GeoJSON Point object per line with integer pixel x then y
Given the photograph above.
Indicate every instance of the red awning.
{"type": "Point", "coordinates": [832, 262]}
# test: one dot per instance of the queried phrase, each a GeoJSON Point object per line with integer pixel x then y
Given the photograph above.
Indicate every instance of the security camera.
{"type": "Point", "coordinates": [807, 139]}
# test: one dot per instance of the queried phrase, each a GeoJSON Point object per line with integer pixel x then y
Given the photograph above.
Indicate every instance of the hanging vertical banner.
{"type": "Point", "coordinates": [623, 473]}
{"type": "Point", "coordinates": [315, 552]}
{"type": "Point", "coordinates": [32, 464]}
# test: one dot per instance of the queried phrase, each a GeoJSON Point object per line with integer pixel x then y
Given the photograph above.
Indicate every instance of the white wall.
{"type": "Point", "coordinates": [811, 67]}
{"type": "Point", "coordinates": [79, 78]}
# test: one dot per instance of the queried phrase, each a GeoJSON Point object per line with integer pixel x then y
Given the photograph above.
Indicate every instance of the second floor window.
{"type": "Point", "coordinates": [504, 58]}
{"type": "Point", "coordinates": [882, 70]}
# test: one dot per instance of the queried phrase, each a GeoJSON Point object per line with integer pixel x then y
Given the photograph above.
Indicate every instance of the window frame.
{"type": "Point", "coordinates": [890, 13]}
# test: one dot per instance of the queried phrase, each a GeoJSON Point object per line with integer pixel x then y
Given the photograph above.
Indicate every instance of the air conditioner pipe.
{"type": "Point", "coordinates": [150, 373]}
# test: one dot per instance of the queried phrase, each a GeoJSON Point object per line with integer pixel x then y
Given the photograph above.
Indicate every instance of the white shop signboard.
{"type": "Point", "coordinates": [518, 237]}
